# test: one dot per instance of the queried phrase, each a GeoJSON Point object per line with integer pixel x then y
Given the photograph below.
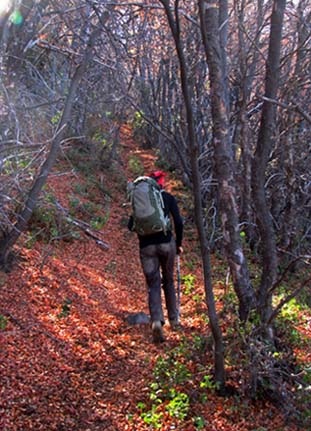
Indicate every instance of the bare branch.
{"type": "Point", "coordinates": [292, 295]}
{"type": "Point", "coordinates": [294, 107]}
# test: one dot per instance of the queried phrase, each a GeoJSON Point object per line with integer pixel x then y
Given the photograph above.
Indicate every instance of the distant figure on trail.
{"type": "Point", "coordinates": [157, 245]}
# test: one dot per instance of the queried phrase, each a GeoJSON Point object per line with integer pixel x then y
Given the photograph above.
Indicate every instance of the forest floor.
{"type": "Point", "coordinates": [69, 361]}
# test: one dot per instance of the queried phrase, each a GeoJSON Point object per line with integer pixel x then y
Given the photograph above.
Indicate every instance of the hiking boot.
{"type": "Point", "coordinates": [157, 332]}
{"type": "Point", "coordinates": [175, 325]}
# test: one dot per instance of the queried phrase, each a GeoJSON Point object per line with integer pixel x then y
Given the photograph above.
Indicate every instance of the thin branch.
{"type": "Point", "coordinates": [288, 298]}
{"type": "Point", "coordinates": [40, 105]}
{"type": "Point", "coordinates": [281, 278]}
{"type": "Point", "coordinates": [82, 225]}
{"type": "Point", "coordinates": [294, 107]}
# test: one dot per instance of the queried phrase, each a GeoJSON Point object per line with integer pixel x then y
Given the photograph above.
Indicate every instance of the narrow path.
{"type": "Point", "coordinates": [68, 359]}
{"type": "Point", "coordinates": [87, 368]}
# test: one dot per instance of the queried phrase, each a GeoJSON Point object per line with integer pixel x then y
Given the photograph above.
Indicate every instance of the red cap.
{"type": "Point", "coordinates": [159, 176]}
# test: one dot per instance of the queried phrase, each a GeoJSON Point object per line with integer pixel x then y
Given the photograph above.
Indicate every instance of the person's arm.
{"type": "Point", "coordinates": [130, 223]}
{"type": "Point", "coordinates": [178, 222]}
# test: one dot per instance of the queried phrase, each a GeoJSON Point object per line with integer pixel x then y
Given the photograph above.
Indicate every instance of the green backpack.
{"type": "Point", "coordinates": [148, 207]}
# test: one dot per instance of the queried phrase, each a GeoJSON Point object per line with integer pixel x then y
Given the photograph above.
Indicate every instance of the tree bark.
{"type": "Point", "coordinates": [260, 162]}
{"type": "Point", "coordinates": [242, 137]}
{"type": "Point", "coordinates": [174, 24]}
{"type": "Point", "coordinates": [291, 144]}
{"type": "Point", "coordinates": [224, 160]}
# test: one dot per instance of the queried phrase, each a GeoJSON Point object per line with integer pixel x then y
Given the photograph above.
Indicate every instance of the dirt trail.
{"type": "Point", "coordinates": [86, 369]}
{"type": "Point", "coordinates": [68, 359]}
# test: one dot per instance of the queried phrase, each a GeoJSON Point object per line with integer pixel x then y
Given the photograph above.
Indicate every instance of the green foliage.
{"type": "Point", "coordinates": [138, 120]}
{"type": "Point", "coordinates": [294, 337]}
{"type": "Point", "coordinates": [103, 148]}
{"type": "Point", "coordinates": [46, 224]}
{"type": "Point", "coordinates": [188, 281]}
{"type": "Point", "coordinates": [304, 396]}
{"type": "Point", "coordinates": [98, 222]}
{"type": "Point", "coordinates": [199, 343]}
{"type": "Point", "coordinates": [90, 212]}
{"type": "Point", "coordinates": [190, 264]}
{"type": "Point", "coordinates": [153, 417]}
{"type": "Point", "coordinates": [197, 298]}
{"type": "Point", "coordinates": [30, 240]}
{"type": "Point", "coordinates": [74, 203]}
{"type": "Point", "coordinates": [141, 406]}
{"type": "Point", "coordinates": [43, 223]}
{"type": "Point", "coordinates": [307, 374]}
{"type": "Point", "coordinates": [207, 383]}
{"type": "Point", "coordinates": [100, 137]}
{"type": "Point", "coordinates": [65, 308]}
{"type": "Point", "coordinates": [82, 188]}
{"type": "Point", "coordinates": [199, 422]}
{"type": "Point", "coordinates": [56, 118]}
{"type": "Point", "coordinates": [291, 310]}
{"type": "Point", "coordinates": [3, 322]}
{"type": "Point", "coordinates": [230, 301]}
{"type": "Point", "coordinates": [49, 223]}
{"type": "Point", "coordinates": [79, 157]}
{"type": "Point", "coordinates": [139, 126]}
{"type": "Point", "coordinates": [16, 163]}
{"type": "Point", "coordinates": [171, 373]}
{"type": "Point", "coordinates": [111, 267]}
{"type": "Point", "coordinates": [178, 405]}
{"type": "Point", "coordinates": [290, 315]}
{"type": "Point", "coordinates": [135, 166]}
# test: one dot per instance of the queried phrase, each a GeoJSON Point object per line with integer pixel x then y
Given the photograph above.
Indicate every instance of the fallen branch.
{"type": "Point", "coordinates": [82, 225]}
{"type": "Point", "coordinates": [87, 230]}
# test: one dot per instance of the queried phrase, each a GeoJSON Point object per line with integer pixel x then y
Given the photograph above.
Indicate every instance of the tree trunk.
{"type": "Point", "coordinates": [224, 160]}
{"type": "Point", "coordinates": [290, 146]}
{"type": "Point", "coordinates": [242, 137]}
{"type": "Point", "coordinates": [260, 161]}
{"type": "Point", "coordinates": [193, 147]}
{"type": "Point", "coordinates": [23, 217]}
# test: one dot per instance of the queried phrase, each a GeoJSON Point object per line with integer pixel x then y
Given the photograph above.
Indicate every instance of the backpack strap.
{"type": "Point", "coordinates": [148, 180]}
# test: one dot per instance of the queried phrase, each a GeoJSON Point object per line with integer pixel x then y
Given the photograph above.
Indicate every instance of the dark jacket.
{"type": "Point", "coordinates": [170, 208]}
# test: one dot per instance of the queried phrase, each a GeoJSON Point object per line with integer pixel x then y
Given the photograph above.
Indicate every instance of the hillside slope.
{"type": "Point", "coordinates": [69, 361]}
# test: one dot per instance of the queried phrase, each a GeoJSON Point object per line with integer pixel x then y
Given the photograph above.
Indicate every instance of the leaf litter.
{"type": "Point", "coordinates": [68, 358]}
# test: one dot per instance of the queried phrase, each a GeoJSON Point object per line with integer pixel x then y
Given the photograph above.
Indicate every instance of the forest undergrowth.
{"type": "Point", "coordinates": [69, 359]}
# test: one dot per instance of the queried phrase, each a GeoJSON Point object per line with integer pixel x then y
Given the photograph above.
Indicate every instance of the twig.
{"type": "Point", "coordinates": [294, 107]}
{"type": "Point", "coordinates": [281, 278]}
{"type": "Point", "coordinates": [287, 299]}
{"type": "Point", "coordinates": [85, 227]}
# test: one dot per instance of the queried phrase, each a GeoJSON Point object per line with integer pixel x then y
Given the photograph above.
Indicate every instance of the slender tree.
{"type": "Point", "coordinates": [211, 28]}
{"type": "Point", "coordinates": [10, 238]}
{"type": "Point", "coordinates": [174, 24]}
{"type": "Point", "coordinates": [260, 161]}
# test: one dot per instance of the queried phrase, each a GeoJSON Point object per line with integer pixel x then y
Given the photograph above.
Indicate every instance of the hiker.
{"type": "Point", "coordinates": [157, 256]}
